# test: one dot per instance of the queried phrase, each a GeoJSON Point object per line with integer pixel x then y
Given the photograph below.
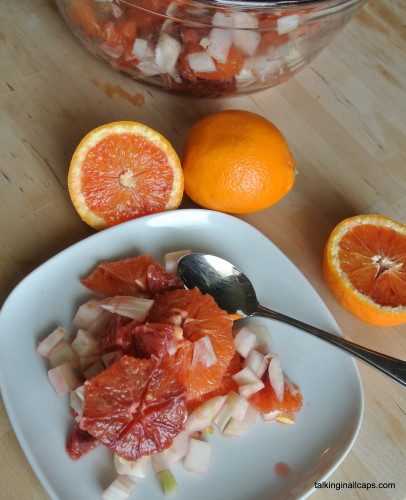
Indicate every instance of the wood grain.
{"type": "Point", "coordinates": [344, 117]}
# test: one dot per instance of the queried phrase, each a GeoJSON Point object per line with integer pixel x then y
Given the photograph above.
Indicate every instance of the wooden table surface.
{"type": "Point", "coordinates": [344, 117]}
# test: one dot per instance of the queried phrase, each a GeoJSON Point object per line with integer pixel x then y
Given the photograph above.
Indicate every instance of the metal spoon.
{"type": "Point", "coordinates": [234, 293]}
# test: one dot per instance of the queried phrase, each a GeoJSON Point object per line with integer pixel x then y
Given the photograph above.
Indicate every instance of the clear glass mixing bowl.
{"type": "Point", "coordinates": [207, 48]}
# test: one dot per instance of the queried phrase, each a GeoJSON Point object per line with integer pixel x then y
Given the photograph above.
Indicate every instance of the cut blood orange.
{"type": "Point", "coordinates": [121, 171]}
{"type": "Point", "coordinates": [266, 401]}
{"type": "Point", "coordinates": [140, 275]}
{"type": "Point", "coordinates": [134, 407]}
{"type": "Point", "coordinates": [365, 268]}
{"type": "Point", "coordinates": [199, 316]}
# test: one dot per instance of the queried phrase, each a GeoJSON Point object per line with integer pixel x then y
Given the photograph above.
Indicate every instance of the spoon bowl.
{"type": "Point", "coordinates": [234, 292]}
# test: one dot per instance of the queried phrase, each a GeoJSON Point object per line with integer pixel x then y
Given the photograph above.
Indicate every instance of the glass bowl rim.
{"type": "Point", "coordinates": [266, 4]}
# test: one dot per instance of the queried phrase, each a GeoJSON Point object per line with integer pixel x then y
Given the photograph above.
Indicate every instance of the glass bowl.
{"type": "Point", "coordinates": [207, 48]}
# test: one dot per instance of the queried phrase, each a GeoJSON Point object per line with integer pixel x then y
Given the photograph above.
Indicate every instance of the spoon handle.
{"type": "Point", "coordinates": [392, 367]}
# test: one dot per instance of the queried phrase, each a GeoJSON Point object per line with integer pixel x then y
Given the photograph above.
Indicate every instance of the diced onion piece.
{"type": "Point", "coordinates": [291, 386]}
{"type": "Point", "coordinates": [94, 369]}
{"type": "Point", "coordinates": [132, 307]}
{"type": "Point", "coordinates": [293, 57]}
{"type": "Point", "coordinates": [87, 362]}
{"type": "Point", "coordinates": [236, 427]}
{"type": "Point", "coordinates": [77, 400]}
{"type": "Point", "coordinates": [204, 415]}
{"type": "Point", "coordinates": [168, 482]}
{"type": "Point", "coordinates": [276, 377]}
{"type": "Point", "coordinates": [222, 20]}
{"type": "Point", "coordinates": [257, 362]}
{"type": "Point", "coordinates": [171, 260]}
{"type": "Point", "coordinates": [204, 42]}
{"type": "Point", "coordinates": [115, 10]}
{"type": "Point", "coordinates": [167, 52]}
{"type": "Point", "coordinates": [263, 336]}
{"type": "Point", "coordinates": [245, 37]}
{"type": "Point", "coordinates": [271, 416]}
{"type": "Point", "coordinates": [141, 49]}
{"type": "Point", "coordinates": [224, 415]}
{"type": "Point", "coordinates": [198, 456]}
{"type": "Point", "coordinates": [264, 66]}
{"type": "Point", "coordinates": [245, 376]}
{"type": "Point", "coordinates": [63, 379]}
{"type": "Point", "coordinates": [148, 68]}
{"type": "Point", "coordinates": [287, 23]}
{"type": "Point", "coordinates": [46, 345]}
{"type": "Point", "coordinates": [87, 314]}
{"type": "Point", "coordinates": [286, 418]}
{"type": "Point", "coordinates": [111, 357]}
{"type": "Point", "coordinates": [178, 449]}
{"type": "Point", "coordinates": [201, 62]}
{"type": "Point", "coordinates": [63, 353]}
{"type": "Point", "coordinates": [245, 340]}
{"type": "Point", "coordinates": [120, 489]}
{"type": "Point", "coordinates": [137, 468]}
{"type": "Point", "coordinates": [84, 344]}
{"type": "Point", "coordinates": [238, 404]}
{"type": "Point", "coordinates": [220, 44]}
{"type": "Point", "coordinates": [244, 20]}
{"type": "Point", "coordinates": [203, 352]}
{"type": "Point", "coordinates": [248, 390]}
{"type": "Point", "coordinates": [101, 322]}
{"type": "Point", "coordinates": [245, 77]}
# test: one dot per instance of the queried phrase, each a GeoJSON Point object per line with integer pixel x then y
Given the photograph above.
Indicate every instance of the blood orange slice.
{"type": "Point", "coordinates": [199, 316]}
{"type": "Point", "coordinates": [134, 407]}
{"type": "Point", "coordinates": [139, 275]}
{"type": "Point", "coordinates": [365, 268]}
{"type": "Point", "coordinates": [121, 171]}
{"type": "Point", "coordinates": [266, 401]}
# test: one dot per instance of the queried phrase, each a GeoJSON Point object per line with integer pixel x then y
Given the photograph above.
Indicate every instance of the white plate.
{"type": "Point", "coordinates": [241, 469]}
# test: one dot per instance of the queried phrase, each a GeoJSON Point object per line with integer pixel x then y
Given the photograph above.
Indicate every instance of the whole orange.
{"type": "Point", "coordinates": [236, 161]}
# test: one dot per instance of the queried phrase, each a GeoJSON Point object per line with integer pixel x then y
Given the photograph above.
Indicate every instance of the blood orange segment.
{"type": "Point", "coordinates": [152, 339]}
{"type": "Point", "coordinates": [117, 334]}
{"type": "Point", "coordinates": [79, 443]}
{"type": "Point", "coordinates": [266, 401]}
{"type": "Point", "coordinates": [227, 383]}
{"type": "Point", "coordinates": [199, 316]}
{"type": "Point", "coordinates": [134, 407]}
{"type": "Point", "coordinates": [121, 171]}
{"type": "Point", "coordinates": [365, 268]}
{"type": "Point", "coordinates": [140, 275]}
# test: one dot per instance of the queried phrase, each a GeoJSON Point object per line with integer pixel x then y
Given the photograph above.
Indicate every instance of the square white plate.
{"type": "Point", "coordinates": [241, 469]}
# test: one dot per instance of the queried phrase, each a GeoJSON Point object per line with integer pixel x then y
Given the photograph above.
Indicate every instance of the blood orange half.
{"type": "Point", "coordinates": [121, 171]}
{"type": "Point", "coordinates": [134, 407]}
{"type": "Point", "coordinates": [365, 268]}
{"type": "Point", "coordinates": [199, 316]}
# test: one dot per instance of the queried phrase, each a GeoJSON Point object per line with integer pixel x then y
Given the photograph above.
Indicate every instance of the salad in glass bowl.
{"type": "Point", "coordinates": [207, 48]}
